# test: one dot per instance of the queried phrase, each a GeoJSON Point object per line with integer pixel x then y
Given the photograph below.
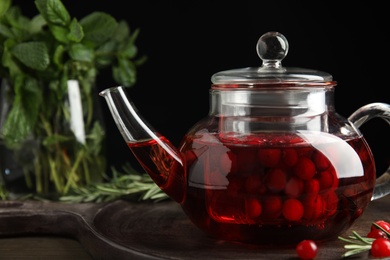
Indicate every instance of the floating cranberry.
{"type": "Point", "coordinates": [311, 186]}
{"type": "Point", "coordinates": [326, 180]}
{"type": "Point", "coordinates": [314, 207]}
{"type": "Point", "coordinates": [292, 209]}
{"type": "Point", "coordinates": [294, 187]}
{"type": "Point", "coordinates": [305, 168]}
{"type": "Point", "coordinates": [320, 160]}
{"type": "Point", "coordinates": [331, 201]}
{"type": "Point", "coordinates": [276, 180]}
{"type": "Point", "coordinates": [254, 184]}
{"type": "Point", "coordinates": [253, 208]}
{"type": "Point", "coordinates": [272, 207]}
{"type": "Point", "coordinates": [269, 157]}
{"type": "Point", "coordinates": [289, 157]}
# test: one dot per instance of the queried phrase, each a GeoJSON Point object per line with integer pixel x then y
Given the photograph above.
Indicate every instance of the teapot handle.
{"type": "Point", "coordinates": [358, 118]}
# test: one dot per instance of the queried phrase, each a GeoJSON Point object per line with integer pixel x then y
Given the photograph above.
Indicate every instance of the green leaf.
{"type": "Point", "coordinates": [4, 6]}
{"type": "Point", "coordinates": [76, 33]}
{"type": "Point", "coordinates": [36, 24]}
{"type": "Point", "coordinates": [130, 50]}
{"type": "Point", "coordinates": [60, 33]}
{"type": "Point", "coordinates": [58, 56]}
{"type": "Point", "coordinates": [125, 73]}
{"type": "Point", "coordinates": [32, 54]}
{"type": "Point", "coordinates": [5, 31]}
{"type": "Point", "coordinates": [53, 11]}
{"type": "Point", "coordinates": [122, 32]}
{"type": "Point", "coordinates": [81, 53]}
{"type": "Point", "coordinates": [24, 112]}
{"type": "Point", "coordinates": [98, 27]}
{"type": "Point", "coordinates": [56, 139]}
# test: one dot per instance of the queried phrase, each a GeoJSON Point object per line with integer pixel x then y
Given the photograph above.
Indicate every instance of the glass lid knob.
{"type": "Point", "coordinates": [272, 48]}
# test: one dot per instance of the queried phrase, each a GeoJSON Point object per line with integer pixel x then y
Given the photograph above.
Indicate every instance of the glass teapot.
{"type": "Point", "coordinates": [272, 162]}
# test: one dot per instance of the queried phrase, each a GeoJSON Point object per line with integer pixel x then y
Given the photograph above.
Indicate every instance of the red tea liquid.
{"type": "Point", "coordinates": [274, 188]}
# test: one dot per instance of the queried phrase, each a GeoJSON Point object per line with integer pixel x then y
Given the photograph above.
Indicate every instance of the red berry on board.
{"type": "Point", "coordinates": [380, 247]}
{"type": "Point", "coordinates": [383, 224]}
{"type": "Point", "coordinates": [305, 168]}
{"type": "Point", "coordinates": [376, 233]}
{"type": "Point", "coordinates": [306, 249]}
{"type": "Point", "coordinates": [269, 157]}
{"type": "Point", "coordinates": [292, 209]}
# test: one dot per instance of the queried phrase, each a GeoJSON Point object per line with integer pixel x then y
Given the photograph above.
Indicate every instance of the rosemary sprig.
{"type": "Point", "coordinates": [358, 244]}
{"type": "Point", "coordinates": [128, 184]}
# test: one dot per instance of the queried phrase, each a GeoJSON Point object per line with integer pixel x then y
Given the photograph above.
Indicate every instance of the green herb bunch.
{"type": "Point", "coordinates": [39, 55]}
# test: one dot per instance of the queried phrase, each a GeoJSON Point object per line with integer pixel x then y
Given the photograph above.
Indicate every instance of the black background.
{"type": "Point", "coordinates": [187, 41]}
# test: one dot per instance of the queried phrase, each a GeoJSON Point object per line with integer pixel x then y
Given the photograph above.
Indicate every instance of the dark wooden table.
{"type": "Point", "coordinates": [123, 230]}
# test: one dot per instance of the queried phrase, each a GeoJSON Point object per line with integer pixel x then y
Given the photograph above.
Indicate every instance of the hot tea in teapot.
{"type": "Point", "coordinates": [272, 162]}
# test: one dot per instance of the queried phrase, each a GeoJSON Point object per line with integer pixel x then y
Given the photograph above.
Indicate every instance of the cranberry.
{"type": "Point", "coordinates": [292, 209]}
{"type": "Point", "coordinates": [314, 207]}
{"type": "Point", "coordinates": [289, 157]}
{"type": "Point", "coordinates": [254, 185]}
{"type": "Point", "coordinates": [253, 208]}
{"type": "Point", "coordinates": [276, 180]}
{"type": "Point", "coordinates": [306, 249]}
{"type": "Point", "coordinates": [326, 180]}
{"type": "Point", "coordinates": [380, 247]}
{"type": "Point", "coordinates": [272, 207]}
{"type": "Point", "coordinates": [331, 201]}
{"type": "Point", "coordinates": [376, 233]}
{"type": "Point", "coordinates": [305, 168]}
{"type": "Point", "coordinates": [383, 224]}
{"type": "Point", "coordinates": [294, 187]}
{"type": "Point", "coordinates": [312, 186]}
{"type": "Point", "coordinates": [321, 162]}
{"type": "Point", "coordinates": [269, 157]}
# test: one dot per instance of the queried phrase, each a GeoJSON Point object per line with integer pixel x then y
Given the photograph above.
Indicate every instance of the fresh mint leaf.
{"type": "Point", "coordinates": [58, 56]}
{"type": "Point", "coordinates": [122, 32]}
{"type": "Point", "coordinates": [4, 6]}
{"type": "Point", "coordinates": [24, 112]}
{"type": "Point", "coordinates": [76, 33]}
{"type": "Point", "coordinates": [60, 33]}
{"type": "Point", "coordinates": [36, 24]}
{"type": "Point", "coordinates": [130, 50]}
{"type": "Point", "coordinates": [5, 31]}
{"type": "Point", "coordinates": [32, 54]}
{"type": "Point", "coordinates": [53, 11]}
{"type": "Point", "coordinates": [80, 52]}
{"type": "Point", "coordinates": [124, 73]}
{"type": "Point", "coordinates": [98, 27]}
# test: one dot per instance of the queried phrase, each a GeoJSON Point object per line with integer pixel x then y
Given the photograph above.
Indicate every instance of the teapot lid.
{"type": "Point", "coordinates": [272, 48]}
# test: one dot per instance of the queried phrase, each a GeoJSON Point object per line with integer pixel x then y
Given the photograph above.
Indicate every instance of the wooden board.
{"type": "Point", "coordinates": [126, 230]}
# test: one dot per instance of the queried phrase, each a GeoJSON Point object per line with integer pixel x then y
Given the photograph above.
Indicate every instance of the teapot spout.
{"type": "Point", "coordinates": [155, 153]}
